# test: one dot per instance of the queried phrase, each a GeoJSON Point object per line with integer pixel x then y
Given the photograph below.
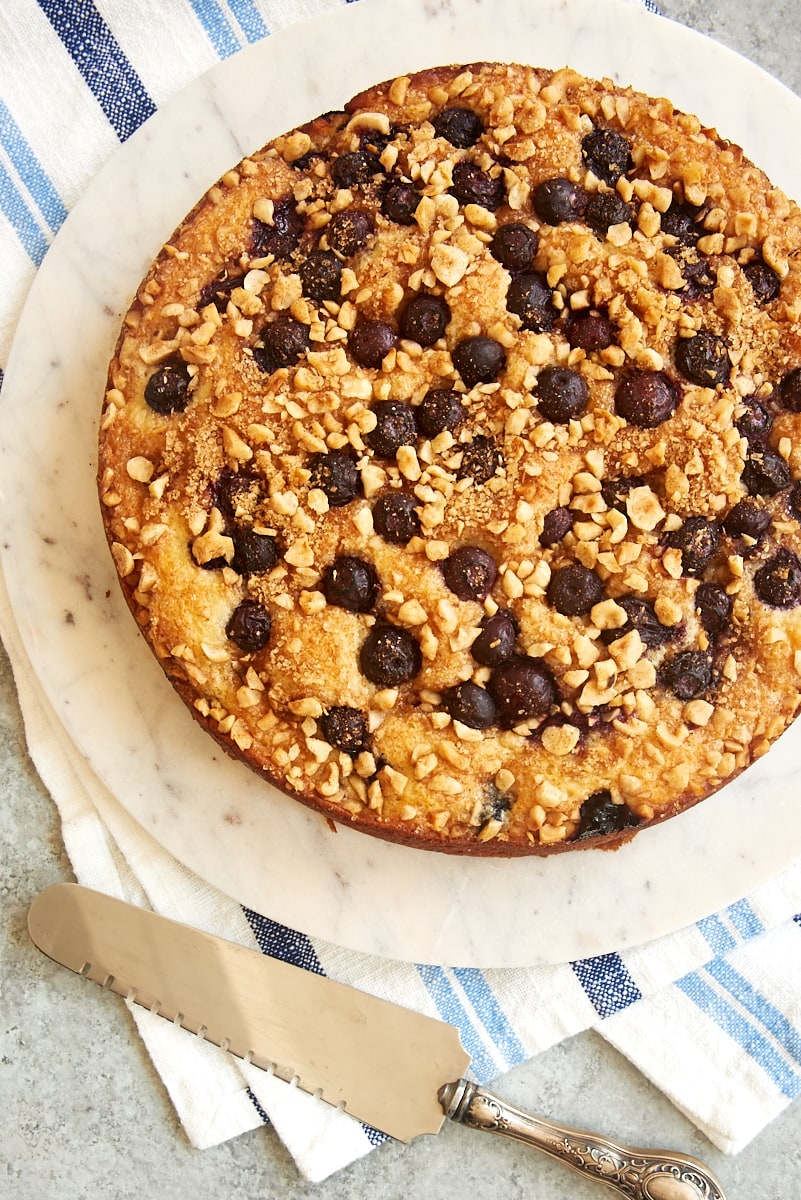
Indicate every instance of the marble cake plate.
{"type": "Point", "coordinates": [211, 813]}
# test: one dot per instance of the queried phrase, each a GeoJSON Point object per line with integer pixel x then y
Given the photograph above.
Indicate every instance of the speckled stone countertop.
{"type": "Point", "coordinates": [121, 1139]}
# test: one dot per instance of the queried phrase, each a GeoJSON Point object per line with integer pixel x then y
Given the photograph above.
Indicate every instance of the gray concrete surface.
{"type": "Point", "coordinates": [82, 1114]}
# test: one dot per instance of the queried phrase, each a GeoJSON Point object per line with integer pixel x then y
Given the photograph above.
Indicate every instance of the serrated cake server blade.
{"type": "Point", "coordinates": [400, 1071]}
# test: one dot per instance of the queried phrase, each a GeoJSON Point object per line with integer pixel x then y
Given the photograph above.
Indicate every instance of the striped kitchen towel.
{"type": "Point", "coordinates": [711, 1014]}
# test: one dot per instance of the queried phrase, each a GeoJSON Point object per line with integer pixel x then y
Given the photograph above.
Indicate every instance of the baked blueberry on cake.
{"type": "Point", "coordinates": [451, 461]}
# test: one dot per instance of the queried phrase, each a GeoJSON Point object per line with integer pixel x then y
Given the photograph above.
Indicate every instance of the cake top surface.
{"type": "Point", "coordinates": [448, 460]}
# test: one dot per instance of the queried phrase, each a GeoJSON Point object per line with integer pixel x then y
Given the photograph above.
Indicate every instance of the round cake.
{"type": "Point", "coordinates": [450, 461]}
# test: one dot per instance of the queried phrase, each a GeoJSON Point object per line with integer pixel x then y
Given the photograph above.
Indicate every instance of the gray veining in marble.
{"type": "Point", "coordinates": [83, 1113]}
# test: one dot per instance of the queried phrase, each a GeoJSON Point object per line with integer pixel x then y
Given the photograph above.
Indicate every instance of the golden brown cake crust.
{"type": "Point", "coordinates": [555, 601]}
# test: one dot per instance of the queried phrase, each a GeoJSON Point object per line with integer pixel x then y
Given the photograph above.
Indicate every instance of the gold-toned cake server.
{"type": "Point", "coordinates": [395, 1069]}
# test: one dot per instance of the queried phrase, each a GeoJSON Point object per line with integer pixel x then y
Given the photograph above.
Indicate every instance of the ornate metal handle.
{"type": "Point", "coordinates": [637, 1174]}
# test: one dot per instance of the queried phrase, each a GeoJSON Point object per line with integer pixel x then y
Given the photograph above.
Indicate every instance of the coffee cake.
{"type": "Point", "coordinates": [449, 461]}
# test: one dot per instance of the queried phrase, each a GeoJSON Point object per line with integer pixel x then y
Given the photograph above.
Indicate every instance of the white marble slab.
{"type": "Point", "coordinates": [212, 813]}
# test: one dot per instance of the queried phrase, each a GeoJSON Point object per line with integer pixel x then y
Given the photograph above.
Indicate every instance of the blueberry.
{"type": "Point", "coordinates": [283, 342]}
{"type": "Point", "coordinates": [755, 421]}
{"type": "Point", "coordinates": [562, 394]}
{"type": "Point", "coordinates": [282, 237]}
{"type": "Point", "coordinates": [590, 332]}
{"type": "Point", "coordinates": [390, 656]}
{"type": "Point", "coordinates": [249, 626]}
{"type": "Point", "coordinates": [236, 492]}
{"type": "Point", "coordinates": [471, 185]}
{"type": "Point", "coordinates": [345, 728]}
{"type": "Point", "coordinates": [559, 200]}
{"type": "Point", "coordinates": [794, 500]}
{"type": "Point", "coordinates": [218, 292]}
{"type": "Point", "coordinates": [607, 154]}
{"type": "Point", "coordinates": [471, 705]}
{"type": "Point", "coordinates": [530, 298]}
{"type": "Point", "coordinates": [599, 816]}
{"type": "Point", "coordinates": [440, 409]}
{"type": "Point", "coordinates": [788, 392]}
{"type": "Point", "coordinates": [470, 572]}
{"type": "Point", "coordinates": [703, 359]}
{"type": "Point", "coordinates": [496, 806]}
{"type": "Point", "coordinates": [424, 319]}
{"type": "Point", "coordinates": [746, 519]}
{"type": "Point", "coordinates": [348, 231]}
{"type": "Point", "coordinates": [400, 203]}
{"type": "Point", "coordinates": [395, 427]}
{"type": "Point", "coordinates": [515, 246]}
{"type": "Point", "coordinates": [646, 398]}
{"type": "Point", "coordinates": [481, 459]}
{"type": "Point", "coordinates": [462, 127]}
{"type": "Point", "coordinates": [680, 222]}
{"type": "Point", "coordinates": [778, 582]}
{"type": "Point", "coordinates": [254, 553]}
{"type": "Point", "coordinates": [336, 474]}
{"type": "Point", "coordinates": [351, 583]}
{"type": "Point", "coordinates": [574, 590]}
{"type": "Point", "coordinates": [358, 167]}
{"type": "Point", "coordinates": [478, 359]}
{"type": "Point", "coordinates": [604, 209]}
{"type": "Point", "coordinates": [615, 492]}
{"type": "Point", "coordinates": [395, 517]}
{"type": "Point", "coordinates": [640, 615]}
{"type": "Point", "coordinates": [375, 141]}
{"type": "Point", "coordinates": [700, 277]}
{"type": "Point", "coordinates": [522, 688]}
{"type": "Point", "coordinates": [495, 643]}
{"type": "Point", "coordinates": [697, 539]}
{"type": "Point", "coordinates": [765, 283]}
{"type": "Point", "coordinates": [556, 525]}
{"type": "Point", "coordinates": [371, 341]}
{"type": "Point", "coordinates": [321, 275]}
{"type": "Point", "coordinates": [167, 389]}
{"type": "Point", "coordinates": [714, 607]}
{"type": "Point", "coordinates": [765, 473]}
{"type": "Point", "coordinates": [688, 674]}
{"type": "Point", "coordinates": [307, 161]}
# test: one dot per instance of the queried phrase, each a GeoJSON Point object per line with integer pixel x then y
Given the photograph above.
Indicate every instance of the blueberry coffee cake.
{"type": "Point", "coordinates": [451, 461]}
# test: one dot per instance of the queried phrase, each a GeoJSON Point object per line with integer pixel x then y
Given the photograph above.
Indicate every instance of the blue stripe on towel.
{"type": "Point", "coordinates": [254, 1100]}
{"type": "Point", "coordinates": [18, 214]}
{"type": "Point", "coordinates": [744, 992]}
{"type": "Point", "coordinates": [486, 1006]}
{"type": "Point", "coordinates": [105, 69]}
{"type": "Point", "coordinates": [30, 171]}
{"type": "Point", "coordinates": [607, 982]}
{"type": "Point", "coordinates": [249, 19]}
{"type": "Point", "coordinates": [216, 27]}
{"type": "Point", "coordinates": [374, 1136]}
{"type": "Point", "coordinates": [281, 942]}
{"type": "Point", "coordinates": [744, 919]}
{"type": "Point", "coordinates": [452, 1010]}
{"type": "Point", "coordinates": [719, 937]}
{"type": "Point", "coordinates": [742, 1032]}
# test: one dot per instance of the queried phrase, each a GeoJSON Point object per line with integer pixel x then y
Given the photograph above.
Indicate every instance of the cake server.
{"type": "Point", "coordinates": [395, 1069]}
